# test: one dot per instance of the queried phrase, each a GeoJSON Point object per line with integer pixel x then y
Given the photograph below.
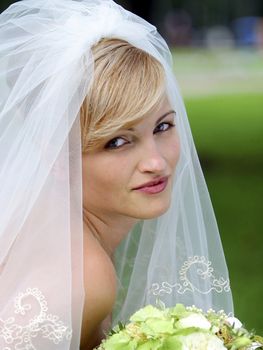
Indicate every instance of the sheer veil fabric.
{"type": "Point", "coordinates": [46, 67]}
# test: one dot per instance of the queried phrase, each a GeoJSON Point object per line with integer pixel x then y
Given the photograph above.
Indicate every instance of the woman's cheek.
{"type": "Point", "coordinates": [173, 151]}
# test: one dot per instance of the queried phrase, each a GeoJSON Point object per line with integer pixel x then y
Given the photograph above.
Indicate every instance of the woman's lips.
{"type": "Point", "coordinates": [153, 187]}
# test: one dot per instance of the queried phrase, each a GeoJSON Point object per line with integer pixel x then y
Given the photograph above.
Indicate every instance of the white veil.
{"type": "Point", "coordinates": [46, 67]}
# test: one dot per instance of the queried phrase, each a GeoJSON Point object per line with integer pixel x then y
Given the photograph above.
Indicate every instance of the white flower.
{"type": "Point", "coordinates": [194, 320]}
{"type": "Point", "coordinates": [234, 322]}
{"type": "Point", "coordinates": [201, 341]}
{"type": "Point", "coordinates": [255, 346]}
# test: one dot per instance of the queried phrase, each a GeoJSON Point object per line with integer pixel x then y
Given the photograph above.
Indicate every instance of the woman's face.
{"type": "Point", "coordinates": [130, 174]}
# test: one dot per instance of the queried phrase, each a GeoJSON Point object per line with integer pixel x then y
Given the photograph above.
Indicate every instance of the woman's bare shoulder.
{"type": "Point", "coordinates": [100, 292]}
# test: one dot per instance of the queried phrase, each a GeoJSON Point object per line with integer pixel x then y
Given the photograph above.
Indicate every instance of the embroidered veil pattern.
{"type": "Point", "coordinates": [201, 268]}
{"type": "Point", "coordinates": [17, 336]}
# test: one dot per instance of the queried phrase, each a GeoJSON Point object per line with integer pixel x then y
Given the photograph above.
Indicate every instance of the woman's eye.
{"type": "Point", "coordinates": [115, 143]}
{"type": "Point", "coordinates": [164, 126]}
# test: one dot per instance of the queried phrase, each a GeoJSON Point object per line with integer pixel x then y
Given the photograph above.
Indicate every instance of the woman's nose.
{"type": "Point", "coordinates": [151, 159]}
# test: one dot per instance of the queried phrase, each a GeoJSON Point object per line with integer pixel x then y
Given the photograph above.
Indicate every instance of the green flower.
{"type": "Point", "coordinates": [147, 312]}
{"type": "Point", "coordinates": [120, 341]}
{"type": "Point", "coordinates": [240, 343]}
{"type": "Point", "coordinates": [178, 311]}
{"type": "Point", "coordinates": [154, 344]}
{"type": "Point", "coordinates": [154, 327]}
{"type": "Point", "coordinates": [172, 343]}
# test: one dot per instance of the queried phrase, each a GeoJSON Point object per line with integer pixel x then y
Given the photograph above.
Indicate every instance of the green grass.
{"type": "Point", "coordinates": [237, 199]}
{"type": "Point", "coordinates": [228, 132]}
{"type": "Point", "coordinates": [228, 126]}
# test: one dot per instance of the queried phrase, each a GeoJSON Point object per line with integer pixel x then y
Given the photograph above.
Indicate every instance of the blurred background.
{"type": "Point", "coordinates": [218, 61]}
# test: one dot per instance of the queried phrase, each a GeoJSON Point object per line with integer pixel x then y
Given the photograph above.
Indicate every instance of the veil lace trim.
{"type": "Point", "coordinates": [197, 265]}
{"type": "Point", "coordinates": [17, 336]}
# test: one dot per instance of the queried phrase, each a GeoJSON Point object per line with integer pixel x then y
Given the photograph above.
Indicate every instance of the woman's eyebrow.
{"type": "Point", "coordinates": [163, 116]}
{"type": "Point", "coordinates": [158, 120]}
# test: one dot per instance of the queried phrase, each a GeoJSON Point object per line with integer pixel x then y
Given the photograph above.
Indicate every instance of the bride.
{"type": "Point", "coordinates": [103, 205]}
{"type": "Point", "coordinates": [127, 173]}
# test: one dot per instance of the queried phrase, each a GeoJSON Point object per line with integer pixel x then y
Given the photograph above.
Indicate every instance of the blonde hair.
{"type": "Point", "coordinates": [128, 83]}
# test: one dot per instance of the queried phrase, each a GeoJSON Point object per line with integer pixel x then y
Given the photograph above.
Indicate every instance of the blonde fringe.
{"type": "Point", "coordinates": [128, 83]}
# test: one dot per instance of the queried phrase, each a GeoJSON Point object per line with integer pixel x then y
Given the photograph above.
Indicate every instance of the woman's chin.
{"type": "Point", "coordinates": [153, 211]}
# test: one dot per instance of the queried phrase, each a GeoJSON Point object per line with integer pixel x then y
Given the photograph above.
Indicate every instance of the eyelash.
{"type": "Point", "coordinates": [170, 125]}
{"type": "Point", "coordinates": [109, 146]}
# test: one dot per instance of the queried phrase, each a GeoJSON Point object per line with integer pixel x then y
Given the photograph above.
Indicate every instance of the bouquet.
{"type": "Point", "coordinates": [180, 328]}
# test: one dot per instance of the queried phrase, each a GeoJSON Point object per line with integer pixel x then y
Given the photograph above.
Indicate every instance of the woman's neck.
{"type": "Point", "coordinates": [109, 231]}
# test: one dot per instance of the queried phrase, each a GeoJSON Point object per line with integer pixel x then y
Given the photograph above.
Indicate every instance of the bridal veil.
{"type": "Point", "coordinates": [46, 67]}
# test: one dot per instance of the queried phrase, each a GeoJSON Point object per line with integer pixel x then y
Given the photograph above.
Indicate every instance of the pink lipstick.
{"type": "Point", "coordinates": [153, 187]}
